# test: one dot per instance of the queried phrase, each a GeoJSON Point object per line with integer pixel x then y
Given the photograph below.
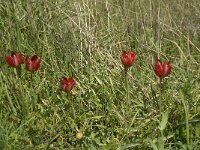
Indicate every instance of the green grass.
{"type": "Point", "coordinates": [84, 38]}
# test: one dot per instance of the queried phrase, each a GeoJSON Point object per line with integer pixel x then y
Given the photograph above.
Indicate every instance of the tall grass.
{"type": "Point", "coordinates": [84, 38]}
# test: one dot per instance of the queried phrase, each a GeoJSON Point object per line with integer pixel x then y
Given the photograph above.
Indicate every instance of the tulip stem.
{"type": "Point", "coordinates": [18, 70]}
{"type": "Point", "coordinates": [31, 86]}
{"type": "Point", "coordinates": [31, 79]}
{"type": "Point", "coordinates": [127, 89]}
{"type": "Point", "coordinates": [160, 99]}
{"type": "Point", "coordinates": [160, 110]}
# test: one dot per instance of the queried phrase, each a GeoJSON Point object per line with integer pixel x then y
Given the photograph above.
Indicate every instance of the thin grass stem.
{"type": "Point", "coordinates": [187, 124]}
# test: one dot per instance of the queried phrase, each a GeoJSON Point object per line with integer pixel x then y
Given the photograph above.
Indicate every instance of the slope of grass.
{"type": "Point", "coordinates": [84, 38]}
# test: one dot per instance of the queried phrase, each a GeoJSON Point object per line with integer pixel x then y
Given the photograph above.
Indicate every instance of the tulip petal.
{"type": "Point", "coordinates": [67, 83]}
{"type": "Point", "coordinates": [128, 58]}
{"type": "Point", "coordinates": [162, 69]}
{"type": "Point", "coordinates": [32, 63]}
{"type": "Point", "coordinates": [14, 59]}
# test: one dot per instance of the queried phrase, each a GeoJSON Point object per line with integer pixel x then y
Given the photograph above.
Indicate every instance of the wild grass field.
{"type": "Point", "coordinates": [84, 39]}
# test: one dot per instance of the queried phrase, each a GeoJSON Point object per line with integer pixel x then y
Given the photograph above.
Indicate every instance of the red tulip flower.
{"type": "Point", "coordinates": [67, 83]}
{"type": "Point", "coordinates": [32, 63]}
{"type": "Point", "coordinates": [162, 69]}
{"type": "Point", "coordinates": [128, 58]}
{"type": "Point", "coordinates": [14, 59]}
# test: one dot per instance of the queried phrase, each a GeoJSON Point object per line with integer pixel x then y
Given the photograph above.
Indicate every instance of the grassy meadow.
{"type": "Point", "coordinates": [84, 39]}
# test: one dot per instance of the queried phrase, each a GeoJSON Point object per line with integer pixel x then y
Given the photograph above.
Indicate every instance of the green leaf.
{"type": "Point", "coordinates": [153, 145]}
{"type": "Point", "coordinates": [129, 146]}
{"type": "Point", "coordinates": [98, 80]}
{"type": "Point", "coordinates": [164, 120]}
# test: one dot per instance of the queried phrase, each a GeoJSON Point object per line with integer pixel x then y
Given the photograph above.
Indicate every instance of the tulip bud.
{"type": "Point", "coordinates": [67, 83]}
{"type": "Point", "coordinates": [162, 69]}
{"type": "Point", "coordinates": [32, 64]}
{"type": "Point", "coordinates": [128, 58]}
{"type": "Point", "coordinates": [14, 59]}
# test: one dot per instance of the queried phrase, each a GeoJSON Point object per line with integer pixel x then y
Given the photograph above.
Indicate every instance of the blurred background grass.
{"type": "Point", "coordinates": [84, 38]}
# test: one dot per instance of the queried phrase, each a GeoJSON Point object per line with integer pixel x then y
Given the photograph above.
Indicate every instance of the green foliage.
{"type": "Point", "coordinates": [85, 39]}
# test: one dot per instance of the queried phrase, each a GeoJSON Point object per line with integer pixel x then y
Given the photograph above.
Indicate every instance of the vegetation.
{"type": "Point", "coordinates": [84, 39]}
